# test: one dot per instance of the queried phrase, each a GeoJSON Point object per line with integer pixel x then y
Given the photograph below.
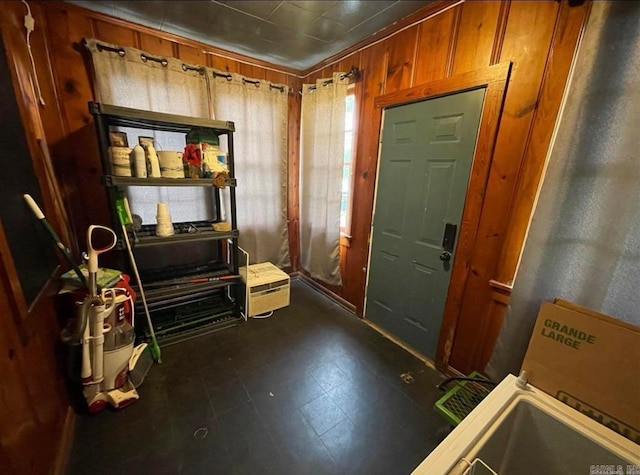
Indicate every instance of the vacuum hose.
{"type": "Point", "coordinates": [72, 333]}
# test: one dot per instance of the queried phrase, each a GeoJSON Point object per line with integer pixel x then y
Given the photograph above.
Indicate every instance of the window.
{"type": "Point", "coordinates": [347, 167]}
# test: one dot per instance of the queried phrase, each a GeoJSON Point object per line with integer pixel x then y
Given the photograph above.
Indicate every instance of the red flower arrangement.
{"type": "Point", "coordinates": [192, 155]}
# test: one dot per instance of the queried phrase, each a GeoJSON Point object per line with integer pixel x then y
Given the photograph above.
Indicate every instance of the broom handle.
{"type": "Point", "coordinates": [63, 249]}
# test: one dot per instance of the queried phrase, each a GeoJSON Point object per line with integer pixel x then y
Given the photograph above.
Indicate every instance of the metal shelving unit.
{"type": "Point", "coordinates": [184, 300]}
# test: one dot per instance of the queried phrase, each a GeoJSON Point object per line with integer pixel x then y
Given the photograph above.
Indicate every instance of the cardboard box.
{"type": "Point", "coordinates": [589, 361]}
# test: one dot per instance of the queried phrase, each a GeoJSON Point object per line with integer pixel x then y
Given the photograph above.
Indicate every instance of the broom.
{"type": "Point", "coordinates": [124, 213]}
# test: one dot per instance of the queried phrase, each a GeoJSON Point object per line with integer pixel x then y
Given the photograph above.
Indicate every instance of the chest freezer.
{"type": "Point", "coordinates": [519, 429]}
{"type": "Point", "coordinates": [590, 363]}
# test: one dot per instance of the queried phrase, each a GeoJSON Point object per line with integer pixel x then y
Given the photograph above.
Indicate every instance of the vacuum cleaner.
{"type": "Point", "coordinates": [111, 367]}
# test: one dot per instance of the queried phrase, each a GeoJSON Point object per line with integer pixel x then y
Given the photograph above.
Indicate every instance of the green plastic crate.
{"type": "Point", "coordinates": [462, 398]}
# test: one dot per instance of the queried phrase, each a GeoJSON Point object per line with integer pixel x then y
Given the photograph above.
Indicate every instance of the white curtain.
{"type": "Point", "coordinates": [321, 162]}
{"type": "Point", "coordinates": [259, 111]}
{"type": "Point", "coordinates": [132, 78]}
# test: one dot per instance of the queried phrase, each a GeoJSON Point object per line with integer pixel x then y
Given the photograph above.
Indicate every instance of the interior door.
{"type": "Point", "coordinates": [425, 161]}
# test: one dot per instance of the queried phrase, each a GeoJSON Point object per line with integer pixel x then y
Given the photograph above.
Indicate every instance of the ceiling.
{"type": "Point", "coordinates": [295, 34]}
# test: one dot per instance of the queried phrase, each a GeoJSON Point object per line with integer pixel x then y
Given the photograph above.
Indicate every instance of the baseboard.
{"type": "Point", "coordinates": [402, 344]}
{"type": "Point", "coordinates": [333, 296]}
{"type": "Point", "coordinates": [454, 372]}
{"type": "Point", "coordinates": [64, 450]}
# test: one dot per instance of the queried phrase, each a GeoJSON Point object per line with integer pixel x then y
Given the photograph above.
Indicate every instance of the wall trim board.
{"type": "Point", "coordinates": [294, 105]}
{"type": "Point", "coordinates": [494, 79]}
{"type": "Point", "coordinates": [180, 40]}
{"type": "Point", "coordinates": [303, 277]}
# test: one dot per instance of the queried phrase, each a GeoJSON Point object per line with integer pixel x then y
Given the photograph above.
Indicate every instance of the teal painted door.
{"type": "Point", "coordinates": [425, 162]}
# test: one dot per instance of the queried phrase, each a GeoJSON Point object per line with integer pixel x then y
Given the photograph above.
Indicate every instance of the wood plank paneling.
{"type": "Point", "coordinates": [374, 69]}
{"type": "Point", "coordinates": [223, 64]}
{"type": "Point", "coordinates": [118, 35]}
{"type": "Point", "coordinates": [76, 155]}
{"type": "Point", "coordinates": [251, 71]}
{"type": "Point", "coordinates": [401, 50]}
{"type": "Point", "coordinates": [526, 43]}
{"type": "Point", "coordinates": [66, 30]}
{"type": "Point", "coordinates": [476, 35]}
{"type": "Point", "coordinates": [568, 32]}
{"type": "Point", "coordinates": [435, 36]}
{"type": "Point", "coordinates": [33, 398]}
{"type": "Point", "coordinates": [191, 55]}
{"type": "Point", "coordinates": [51, 113]}
{"type": "Point", "coordinates": [155, 45]}
{"type": "Point", "coordinates": [276, 78]}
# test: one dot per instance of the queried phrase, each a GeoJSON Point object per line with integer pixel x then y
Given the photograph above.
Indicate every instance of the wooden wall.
{"type": "Point", "coordinates": [539, 39]}
{"type": "Point", "coordinates": [34, 407]}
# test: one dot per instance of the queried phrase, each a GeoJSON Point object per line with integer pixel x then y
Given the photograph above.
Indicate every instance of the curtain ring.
{"type": "Point", "coordinates": [121, 52]}
{"type": "Point", "coordinates": [229, 77]}
{"type": "Point", "coordinates": [143, 57]}
{"type": "Point", "coordinates": [164, 63]}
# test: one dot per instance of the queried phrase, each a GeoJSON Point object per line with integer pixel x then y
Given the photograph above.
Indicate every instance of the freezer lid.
{"type": "Point", "coordinates": [590, 362]}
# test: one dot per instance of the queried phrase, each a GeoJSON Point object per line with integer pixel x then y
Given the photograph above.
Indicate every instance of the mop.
{"type": "Point", "coordinates": [124, 213]}
{"type": "Point", "coordinates": [63, 249]}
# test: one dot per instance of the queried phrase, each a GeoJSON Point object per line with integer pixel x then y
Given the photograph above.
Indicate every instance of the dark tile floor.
{"type": "Point", "coordinates": [311, 390]}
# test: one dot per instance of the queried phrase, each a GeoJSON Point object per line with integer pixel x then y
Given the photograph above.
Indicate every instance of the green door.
{"type": "Point", "coordinates": [425, 160]}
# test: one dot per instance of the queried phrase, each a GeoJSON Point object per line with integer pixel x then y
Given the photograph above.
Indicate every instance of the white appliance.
{"type": "Point", "coordinates": [267, 288]}
{"type": "Point", "coordinates": [518, 429]}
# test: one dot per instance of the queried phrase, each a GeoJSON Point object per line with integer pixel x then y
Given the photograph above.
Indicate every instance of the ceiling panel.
{"type": "Point", "coordinates": [318, 7]}
{"type": "Point", "coordinates": [326, 30]}
{"type": "Point", "coordinates": [260, 9]}
{"type": "Point", "coordinates": [354, 13]}
{"type": "Point", "coordinates": [292, 16]}
{"type": "Point", "coordinates": [152, 13]}
{"type": "Point", "coordinates": [296, 34]}
{"type": "Point", "coordinates": [180, 16]}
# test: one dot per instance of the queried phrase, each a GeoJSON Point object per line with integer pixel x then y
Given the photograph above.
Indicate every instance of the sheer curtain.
{"type": "Point", "coordinates": [321, 161]}
{"type": "Point", "coordinates": [132, 78]}
{"type": "Point", "coordinates": [259, 111]}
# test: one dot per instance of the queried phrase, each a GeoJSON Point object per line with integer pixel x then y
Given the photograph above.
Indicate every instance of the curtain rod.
{"type": "Point", "coordinates": [256, 82]}
{"type": "Point", "coordinates": [354, 73]}
{"type": "Point", "coordinates": [186, 67]}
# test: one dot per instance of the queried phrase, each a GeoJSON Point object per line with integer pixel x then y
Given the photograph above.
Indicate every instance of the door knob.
{"type": "Point", "coordinates": [445, 256]}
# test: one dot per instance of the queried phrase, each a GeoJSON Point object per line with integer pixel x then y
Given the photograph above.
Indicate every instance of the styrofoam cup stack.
{"type": "Point", "coordinates": [164, 227]}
